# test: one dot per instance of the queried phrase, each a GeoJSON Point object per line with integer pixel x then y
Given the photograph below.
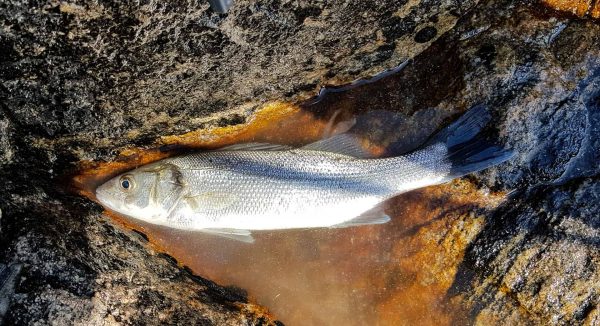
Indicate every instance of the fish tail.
{"type": "Point", "coordinates": [467, 150]}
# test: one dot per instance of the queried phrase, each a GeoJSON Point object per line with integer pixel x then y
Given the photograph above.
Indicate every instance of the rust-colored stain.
{"type": "Point", "coordinates": [444, 220]}
{"type": "Point", "coordinates": [579, 8]}
{"type": "Point", "coordinates": [266, 125]}
{"type": "Point", "coordinates": [393, 274]}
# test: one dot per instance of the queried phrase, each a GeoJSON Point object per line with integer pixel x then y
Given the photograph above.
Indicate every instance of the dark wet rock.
{"type": "Point", "coordinates": [8, 278]}
{"type": "Point", "coordinates": [426, 34]}
{"type": "Point", "coordinates": [539, 257]}
{"type": "Point", "coordinates": [161, 69]}
{"type": "Point", "coordinates": [536, 260]}
{"type": "Point", "coordinates": [83, 81]}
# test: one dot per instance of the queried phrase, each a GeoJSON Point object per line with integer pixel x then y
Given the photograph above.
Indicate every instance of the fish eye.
{"type": "Point", "coordinates": [126, 183]}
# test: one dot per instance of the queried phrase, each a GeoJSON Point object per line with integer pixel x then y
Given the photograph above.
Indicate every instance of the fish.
{"type": "Point", "coordinates": [331, 183]}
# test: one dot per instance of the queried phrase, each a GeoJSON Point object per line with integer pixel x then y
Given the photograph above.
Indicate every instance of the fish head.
{"type": "Point", "coordinates": [148, 193]}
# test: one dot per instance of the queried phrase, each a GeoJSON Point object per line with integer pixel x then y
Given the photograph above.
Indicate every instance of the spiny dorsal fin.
{"type": "Point", "coordinates": [255, 147]}
{"type": "Point", "coordinates": [345, 144]}
{"type": "Point", "coordinates": [373, 216]}
{"type": "Point", "coordinates": [234, 234]}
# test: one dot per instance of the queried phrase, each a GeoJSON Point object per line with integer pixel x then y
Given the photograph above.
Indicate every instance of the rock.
{"type": "Point", "coordinates": [6, 153]}
{"type": "Point", "coordinates": [536, 260]}
{"type": "Point", "coordinates": [97, 275]}
{"type": "Point", "coordinates": [8, 278]}
{"type": "Point", "coordinates": [163, 69]}
{"type": "Point", "coordinates": [83, 82]}
{"type": "Point", "coordinates": [539, 260]}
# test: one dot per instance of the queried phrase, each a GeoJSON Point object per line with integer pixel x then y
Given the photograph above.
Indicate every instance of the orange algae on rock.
{"type": "Point", "coordinates": [579, 8]}
{"type": "Point", "coordinates": [275, 122]}
{"type": "Point", "coordinates": [429, 259]}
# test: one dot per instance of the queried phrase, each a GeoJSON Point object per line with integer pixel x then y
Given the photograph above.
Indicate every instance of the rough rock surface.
{"type": "Point", "coordinates": [81, 81]}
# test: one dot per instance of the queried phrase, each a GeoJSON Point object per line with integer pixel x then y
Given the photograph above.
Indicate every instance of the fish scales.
{"type": "Point", "coordinates": [309, 188]}
{"type": "Point", "coordinates": [330, 183]}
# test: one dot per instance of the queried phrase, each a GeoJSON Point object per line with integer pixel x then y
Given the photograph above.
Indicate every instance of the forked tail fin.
{"type": "Point", "coordinates": [468, 152]}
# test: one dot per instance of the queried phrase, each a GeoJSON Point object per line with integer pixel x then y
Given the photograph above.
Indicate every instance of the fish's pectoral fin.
{"type": "Point", "coordinates": [209, 201]}
{"type": "Point", "coordinates": [255, 147]}
{"type": "Point", "coordinates": [374, 216]}
{"type": "Point", "coordinates": [234, 234]}
{"type": "Point", "coordinates": [346, 144]}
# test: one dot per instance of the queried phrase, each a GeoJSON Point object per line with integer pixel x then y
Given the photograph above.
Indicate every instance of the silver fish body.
{"type": "Point", "coordinates": [331, 183]}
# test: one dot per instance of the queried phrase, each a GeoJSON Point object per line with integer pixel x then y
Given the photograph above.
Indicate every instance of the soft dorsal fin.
{"type": "Point", "coordinates": [346, 144]}
{"type": "Point", "coordinates": [372, 216]}
{"type": "Point", "coordinates": [255, 147]}
{"type": "Point", "coordinates": [234, 234]}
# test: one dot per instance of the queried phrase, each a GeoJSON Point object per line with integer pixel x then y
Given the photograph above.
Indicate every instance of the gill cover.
{"type": "Point", "coordinates": [167, 188]}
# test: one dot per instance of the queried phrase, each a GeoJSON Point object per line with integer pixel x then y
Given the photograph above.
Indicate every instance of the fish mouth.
{"type": "Point", "coordinates": [103, 197]}
{"type": "Point", "coordinates": [100, 195]}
